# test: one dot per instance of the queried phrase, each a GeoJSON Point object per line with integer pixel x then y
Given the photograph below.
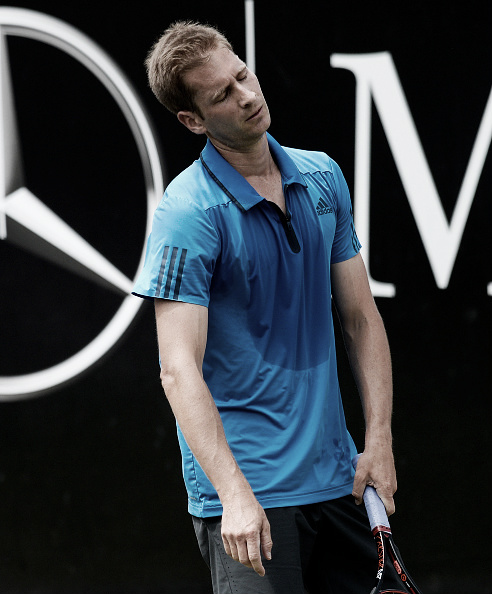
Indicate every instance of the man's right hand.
{"type": "Point", "coordinates": [246, 531]}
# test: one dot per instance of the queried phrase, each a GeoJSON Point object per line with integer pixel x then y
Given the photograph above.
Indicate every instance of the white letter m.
{"type": "Point", "coordinates": [376, 77]}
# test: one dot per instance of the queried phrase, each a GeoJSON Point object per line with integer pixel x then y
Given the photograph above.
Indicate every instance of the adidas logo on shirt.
{"type": "Point", "coordinates": [323, 208]}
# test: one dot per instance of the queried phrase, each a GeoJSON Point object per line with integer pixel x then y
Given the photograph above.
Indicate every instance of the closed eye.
{"type": "Point", "coordinates": [243, 75]}
{"type": "Point", "coordinates": [223, 96]}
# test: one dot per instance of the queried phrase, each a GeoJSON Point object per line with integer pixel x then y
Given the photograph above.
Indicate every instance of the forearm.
{"type": "Point", "coordinates": [369, 356]}
{"type": "Point", "coordinates": [202, 428]}
{"type": "Point", "coordinates": [245, 528]}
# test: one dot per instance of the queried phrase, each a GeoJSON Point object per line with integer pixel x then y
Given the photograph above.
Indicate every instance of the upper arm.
{"type": "Point", "coordinates": [182, 334]}
{"type": "Point", "coordinates": [351, 292]}
{"type": "Point", "coordinates": [181, 253]}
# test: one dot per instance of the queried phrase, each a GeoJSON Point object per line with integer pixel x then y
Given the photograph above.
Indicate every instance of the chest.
{"type": "Point", "coordinates": [271, 189]}
{"type": "Point", "coordinates": [257, 250]}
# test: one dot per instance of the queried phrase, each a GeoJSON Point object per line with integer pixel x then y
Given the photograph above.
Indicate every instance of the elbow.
{"type": "Point", "coordinates": [361, 326]}
{"type": "Point", "coordinates": [179, 376]}
{"type": "Point", "coordinates": [168, 380]}
{"type": "Point", "coordinates": [354, 327]}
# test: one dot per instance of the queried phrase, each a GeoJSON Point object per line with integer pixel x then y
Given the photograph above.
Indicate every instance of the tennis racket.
{"type": "Point", "coordinates": [380, 526]}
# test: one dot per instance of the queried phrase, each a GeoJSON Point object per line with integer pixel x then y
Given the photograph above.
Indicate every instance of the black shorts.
{"type": "Point", "coordinates": [321, 548]}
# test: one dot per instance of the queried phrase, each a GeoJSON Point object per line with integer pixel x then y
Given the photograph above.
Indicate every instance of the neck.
{"type": "Point", "coordinates": [259, 169]}
{"type": "Point", "coordinates": [253, 160]}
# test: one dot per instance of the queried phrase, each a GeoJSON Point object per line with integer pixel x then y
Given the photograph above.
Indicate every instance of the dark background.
{"type": "Point", "coordinates": [91, 495]}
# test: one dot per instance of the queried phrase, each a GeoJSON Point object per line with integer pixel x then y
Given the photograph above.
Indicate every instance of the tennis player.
{"type": "Point", "coordinates": [248, 246]}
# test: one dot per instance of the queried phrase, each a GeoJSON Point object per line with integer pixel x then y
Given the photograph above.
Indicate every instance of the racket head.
{"type": "Point", "coordinates": [388, 555]}
{"type": "Point", "coordinates": [392, 553]}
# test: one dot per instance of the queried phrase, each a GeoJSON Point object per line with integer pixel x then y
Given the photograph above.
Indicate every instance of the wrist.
{"type": "Point", "coordinates": [235, 486]}
{"type": "Point", "coordinates": [378, 439]}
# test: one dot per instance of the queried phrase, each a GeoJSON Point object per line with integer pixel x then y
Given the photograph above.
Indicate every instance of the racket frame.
{"type": "Point", "coordinates": [381, 531]}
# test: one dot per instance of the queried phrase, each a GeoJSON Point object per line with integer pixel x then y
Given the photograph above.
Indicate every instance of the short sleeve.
{"type": "Point", "coordinates": [181, 253]}
{"type": "Point", "coordinates": [346, 243]}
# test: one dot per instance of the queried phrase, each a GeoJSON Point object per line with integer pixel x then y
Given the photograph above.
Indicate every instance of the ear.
{"type": "Point", "coordinates": [192, 121]}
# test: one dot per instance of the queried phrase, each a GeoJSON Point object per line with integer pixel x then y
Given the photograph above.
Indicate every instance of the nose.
{"type": "Point", "coordinates": [247, 97]}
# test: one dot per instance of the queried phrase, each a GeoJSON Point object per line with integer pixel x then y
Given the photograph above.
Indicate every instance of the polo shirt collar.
{"type": "Point", "coordinates": [234, 184]}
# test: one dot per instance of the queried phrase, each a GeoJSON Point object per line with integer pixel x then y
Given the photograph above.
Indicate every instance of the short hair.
{"type": "Point", "coordinates": [184, 45]}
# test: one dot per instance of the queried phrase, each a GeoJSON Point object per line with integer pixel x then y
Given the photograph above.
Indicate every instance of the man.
{"type": "Point", "coordinates": [247, 246]}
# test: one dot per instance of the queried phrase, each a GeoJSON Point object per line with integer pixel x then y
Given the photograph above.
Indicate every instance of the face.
{"type": "Point", "coordinates": [233, 111]}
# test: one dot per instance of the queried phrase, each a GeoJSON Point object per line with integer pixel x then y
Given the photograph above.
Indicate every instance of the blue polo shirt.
{"type": "Point", "coordinates": [270, 360]}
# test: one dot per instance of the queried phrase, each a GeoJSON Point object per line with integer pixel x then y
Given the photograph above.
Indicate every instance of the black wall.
{"type": "Point", "coordinates": [91, 496]}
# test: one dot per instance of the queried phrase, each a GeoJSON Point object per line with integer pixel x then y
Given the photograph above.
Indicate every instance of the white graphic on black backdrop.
{"type": "Point", "coordinates": [37, 227]}
{"type": "Point", "coordinates": [377, 80]}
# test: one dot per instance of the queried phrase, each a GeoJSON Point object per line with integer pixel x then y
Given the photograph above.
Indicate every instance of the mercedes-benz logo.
{"type": "Point", "coordinates": [30, 223]}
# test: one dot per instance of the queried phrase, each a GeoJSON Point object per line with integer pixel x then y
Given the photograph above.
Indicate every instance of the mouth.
{"type": "Point", "coordinates": [256, 113]}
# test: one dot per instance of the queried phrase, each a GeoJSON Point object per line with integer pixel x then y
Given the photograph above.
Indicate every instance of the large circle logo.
{"type": "Point", "coordinates": [26, 220]}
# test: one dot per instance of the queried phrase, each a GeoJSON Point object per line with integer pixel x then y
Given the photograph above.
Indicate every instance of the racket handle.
{"type": "Point", "coordinates": [376, 512]}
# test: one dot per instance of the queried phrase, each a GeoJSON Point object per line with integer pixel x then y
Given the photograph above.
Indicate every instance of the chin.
{"type": "Point", "coordinates": [268, 119]}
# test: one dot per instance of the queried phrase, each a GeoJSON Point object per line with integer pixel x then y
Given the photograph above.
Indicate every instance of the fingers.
{"type": "Point", "coordinates": [388, 502]}
{"type": "Point", "coordinates": [384, 495]}
{"type": "Point", "coordinates": [359, 487]}
{"type": "Point", "coordinates": [230, 548]}
{"type": "Point", "coordinates": [253, 558]}
{"type": "Point", "coordinates": [266, 542]}
{"type": "Point", "coordinates": [247, 549]}
{"type": "Point", "coordinates": [379, 474]}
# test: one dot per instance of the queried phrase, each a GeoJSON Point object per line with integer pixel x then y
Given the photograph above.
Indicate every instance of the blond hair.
{"type": "Point", "coordinates": [183, 46]}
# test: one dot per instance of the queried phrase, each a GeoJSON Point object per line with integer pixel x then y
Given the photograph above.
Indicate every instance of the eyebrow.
{"type": "Point", "coordinates": [224, 89]}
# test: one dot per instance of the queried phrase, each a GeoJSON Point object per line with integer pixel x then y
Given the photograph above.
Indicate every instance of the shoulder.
{"type": "Point", "coordinates": [312, 161]}
{"type": "Point", "coordinates": [193, 189]}
{"type": "Point", "coordinates": [317, 168]}
{"type": "Point", "coordinates": [183, 210]}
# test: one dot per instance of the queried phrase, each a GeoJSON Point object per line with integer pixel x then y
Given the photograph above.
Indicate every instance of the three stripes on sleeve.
{"type": "Point", "coordinates": [171, 272]}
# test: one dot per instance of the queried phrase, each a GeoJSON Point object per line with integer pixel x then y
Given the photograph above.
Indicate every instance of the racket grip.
{"type": "Point", "coordinates": [376, 512]}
